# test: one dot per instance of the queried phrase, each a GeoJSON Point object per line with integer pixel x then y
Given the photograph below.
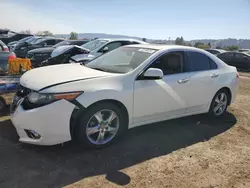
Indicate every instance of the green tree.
{"type": "Point", "coordinates": [73, 36]}
{"type": "Point", "coordinates": [179, 41]}
{"type": "Point", "coordinates": [198, 44]}
{"type": "Point", "coordinates": [232, 48]}
{"type": "Point", "coordinates": [44, 33]}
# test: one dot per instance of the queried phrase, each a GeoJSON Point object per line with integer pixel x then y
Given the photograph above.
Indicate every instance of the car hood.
{"type": "Point", "coordinates": [39, 78]}
{"type": "Point", "coordinates": [42, 50]}
{"type": "Point", "coordinates": [62, 49]}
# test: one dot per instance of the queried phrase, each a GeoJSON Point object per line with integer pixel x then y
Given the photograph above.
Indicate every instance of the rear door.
{"type": "Point", "coordinates": [242, 60]}
{"type": "Point", "coordinates": [203, 77]}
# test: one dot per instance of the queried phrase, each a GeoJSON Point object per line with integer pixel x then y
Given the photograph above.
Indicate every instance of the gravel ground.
{"type": "Point", "coordinates": [188, 152]}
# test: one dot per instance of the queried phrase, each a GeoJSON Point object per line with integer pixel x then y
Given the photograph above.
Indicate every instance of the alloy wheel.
{"type": "Point", "coordinates": [102, 127]}
{"type": "Point", "coordinates": [220, 104]}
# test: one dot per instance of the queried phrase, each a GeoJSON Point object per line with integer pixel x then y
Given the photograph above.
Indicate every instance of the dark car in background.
{"type": "Point", "coordinates": [3, 47]}
{"type": "Point", "coordinates": [9, 36]}
{"type": "Point", "coordinates": [11, 45]}
{"type": "Point", "coordinates": [215, 51]}
{"type": "Point", "coordinates": [21, 50]}
{"type": "Point", "coordinates": [40, 54]}
{"type": "Point", "coordinates": [240, 60]}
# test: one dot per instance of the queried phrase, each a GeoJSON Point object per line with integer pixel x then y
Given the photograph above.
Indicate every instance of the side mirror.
{"type": "Point", "coordinates": [153, 74]}
{"type": "Point", "coordinates": [105, 49]}
{"type": "Point", "coordinates": [45, 44]}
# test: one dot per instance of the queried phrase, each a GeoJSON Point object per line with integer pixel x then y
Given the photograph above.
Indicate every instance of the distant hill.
{"type": "Point", "coordinates": [242, 43]}
{"type": "Point", "coordinates": [97, 35]}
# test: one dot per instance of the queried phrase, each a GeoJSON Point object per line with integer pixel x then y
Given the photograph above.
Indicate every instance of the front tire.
{"type": "Point", "coordinates": [219, 104]}
{"type": "Point", "coordinates": [101, 125]}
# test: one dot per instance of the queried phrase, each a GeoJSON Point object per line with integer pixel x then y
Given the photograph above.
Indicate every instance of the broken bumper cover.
{"type": "Point", "coordinates": [50, 122]}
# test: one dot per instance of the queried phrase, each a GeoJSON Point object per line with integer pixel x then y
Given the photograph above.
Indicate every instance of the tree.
{"type": "Point", "coordinates": [198, 44]}
{"type": "Point", "coordinates": [73, 36]}
{"type": "Point", "coordinates": [44, 33]}
{"type": "Point", "coordinates": [201, 45]}
{"type": "Point", "coordinates": [25, 32]}
{"type": "Point", "coordinates": [232, 48]}
{"type": "Point", "coordinates": [179, 41]}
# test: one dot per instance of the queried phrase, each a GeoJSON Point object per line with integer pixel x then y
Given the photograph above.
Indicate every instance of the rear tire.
{"type": "Point", "coordinates": [219, 104]}
{"type": "Point", "coordinates": [97, 129]}
{"type": "Point", "coordinates": [2, 104]}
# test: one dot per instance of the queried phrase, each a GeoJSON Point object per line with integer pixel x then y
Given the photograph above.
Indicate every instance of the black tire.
{"type": "Point", "coordinates": [81, 132]}
{"type": "Point", "coordinates": [212, 112]}
{"type": "Point", "coordinates": [2, 104]}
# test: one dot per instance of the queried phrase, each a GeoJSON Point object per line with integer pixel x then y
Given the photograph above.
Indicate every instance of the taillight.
{"type": "Point", "coordinates": [11, 56]}
{"type": "Point", "coordinates": [238, 75]}
{"type": "Point", "coordinates": [5, 49]}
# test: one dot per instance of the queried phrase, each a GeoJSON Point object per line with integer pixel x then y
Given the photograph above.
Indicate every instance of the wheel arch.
{"type": "Point", "coordinates": [229, 93]}
{"type": "Point", "coordinates": [79, 110]}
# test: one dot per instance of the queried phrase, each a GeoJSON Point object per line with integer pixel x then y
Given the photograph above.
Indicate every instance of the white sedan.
{"type": "Point", "coordinates": [127, 87]}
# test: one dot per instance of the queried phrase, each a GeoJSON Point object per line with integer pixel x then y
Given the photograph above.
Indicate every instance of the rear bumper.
{"type": "Point", "coordinates": [51, 122]}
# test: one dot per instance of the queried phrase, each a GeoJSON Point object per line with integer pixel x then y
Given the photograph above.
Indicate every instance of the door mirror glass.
{"type": "Point", "coordinates": [105, 49]}
{"type": "Point", "coordinates": [153, 73]}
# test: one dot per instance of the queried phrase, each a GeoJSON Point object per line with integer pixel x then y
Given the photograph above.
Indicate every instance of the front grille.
{"type": "Point", "coordinates": [21, 93]}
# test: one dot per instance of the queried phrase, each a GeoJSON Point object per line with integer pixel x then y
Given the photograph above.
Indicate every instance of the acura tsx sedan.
{"type": "Point", "coordinates": [130, 86]}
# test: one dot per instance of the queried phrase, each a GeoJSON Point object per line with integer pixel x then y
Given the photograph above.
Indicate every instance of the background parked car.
{"type": "Point", "coordinates": [12, 45]}
{"type": "Point", "coordinates": [22, 50]}
{"type": "Point", "coordinates": [3, 47]}
{"type": "Point", "coordinates": [244, 50]}
{"type": "Point", "coordinates": [91, 50]}
{"type": "Point", "coordinates": [237, 59]}
{"type": "Point", "coordinates": [215, 51]}
{"type": "Point", "coordinates": [38, 55]}
{"type": "Point", "coordinates": [4, 59]}
{"type": "Point", "coordinates": [9, 36]}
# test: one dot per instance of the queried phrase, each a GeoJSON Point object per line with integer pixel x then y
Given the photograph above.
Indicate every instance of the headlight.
{"type": "Point", "coordinates": [35, 99]}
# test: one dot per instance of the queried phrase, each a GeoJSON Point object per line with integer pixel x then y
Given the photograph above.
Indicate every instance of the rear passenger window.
{"type": "Point", "coordinates": [198, 62]}
{"type": "Point", "coordinates": [213, 65]}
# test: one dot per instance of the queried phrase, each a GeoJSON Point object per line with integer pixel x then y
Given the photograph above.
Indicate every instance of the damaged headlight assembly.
{"type": "Point", "coordinates": [35, 99]}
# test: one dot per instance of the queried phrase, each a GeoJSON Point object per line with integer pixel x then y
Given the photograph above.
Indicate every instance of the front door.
{"type": "Point", "coordinates": [162, 98]}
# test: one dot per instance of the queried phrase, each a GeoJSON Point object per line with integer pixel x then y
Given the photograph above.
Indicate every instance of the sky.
{"type": "Point", "coordinates": [157, 19]}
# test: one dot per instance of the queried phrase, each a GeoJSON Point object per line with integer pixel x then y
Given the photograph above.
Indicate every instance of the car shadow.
{"type": "Point", "coordinates": [61, 165]}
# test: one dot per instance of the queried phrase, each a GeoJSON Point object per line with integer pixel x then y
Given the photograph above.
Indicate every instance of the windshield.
{"type": "Point", "coordinates": [61, 44]}
{"type": "Point", "coordinates": [32, 39]}
{"type": "Point", "coordinates": [92, 45]}
{"type": "Point", "coordinates": [121, 60]}
{"type": "Point", "coordinates": [38, 41]}
{"type": "Point", "coordinates": [25, 39]}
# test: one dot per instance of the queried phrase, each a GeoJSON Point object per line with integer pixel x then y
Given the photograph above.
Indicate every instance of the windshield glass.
{"type": "Point", "coordinates": [61, 44]}
{"type": "Point", "coordinates": [92, 45]}
{"type": "Point", "coordinates": [32, 40]}
{"type": "Point", "coordinates": [121, 60]}
{"type": "Point", "coordinates": [25, 39]}
{"type": "Point", "coordinates": [38, 41]}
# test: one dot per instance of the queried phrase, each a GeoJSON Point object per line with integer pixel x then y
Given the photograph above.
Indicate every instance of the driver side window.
{"type": "Point", "coordinates": [170, 63]}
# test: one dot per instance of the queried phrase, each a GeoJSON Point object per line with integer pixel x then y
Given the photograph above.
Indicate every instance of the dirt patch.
{"type": "Point", "coordinates": [188, 152]}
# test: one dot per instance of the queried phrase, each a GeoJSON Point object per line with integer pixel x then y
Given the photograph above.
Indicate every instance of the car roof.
{"type": "Point", "coordinates": [164, 47]}
{"type": "Point", "coordinates": [122, 39]}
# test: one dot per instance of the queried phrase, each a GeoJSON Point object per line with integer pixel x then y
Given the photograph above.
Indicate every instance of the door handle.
{"type": "Point", "coordinates": [182, 81]}
{"type": "Point", "coordinates": [214, 75]}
